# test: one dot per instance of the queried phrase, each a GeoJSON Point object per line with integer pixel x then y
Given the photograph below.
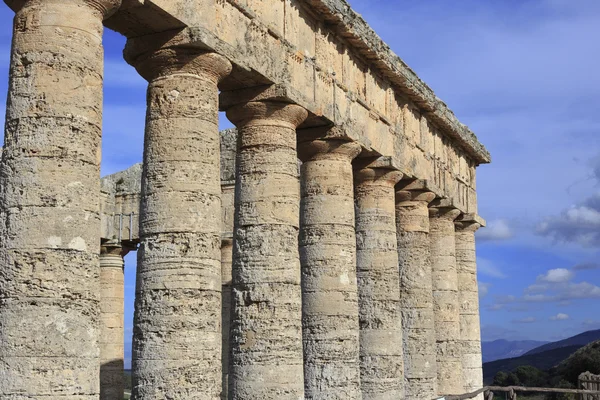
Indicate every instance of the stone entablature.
{"type": "Point", "coordinates": [323, 56]}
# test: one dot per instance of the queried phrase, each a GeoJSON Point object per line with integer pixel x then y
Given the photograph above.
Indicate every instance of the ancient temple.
{"type": "Point", "coordinates": [324, 249]}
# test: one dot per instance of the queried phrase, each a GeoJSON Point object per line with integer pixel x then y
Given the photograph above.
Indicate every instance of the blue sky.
{"type": "Point", "coordinates": [523, 75]}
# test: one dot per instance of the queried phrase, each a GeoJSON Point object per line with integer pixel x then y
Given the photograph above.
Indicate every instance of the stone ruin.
{"type": "Point", "coordinates": [352, 276]}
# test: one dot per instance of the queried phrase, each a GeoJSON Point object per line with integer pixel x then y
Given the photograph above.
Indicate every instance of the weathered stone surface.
{"type": "Point", "coordinates": [266, 327]}
{"type": "Point", "coordinates": [381, 367]}
{"type": "Point", "coordinates": [446, 301]}
{"type": "Point", "coordinates": [112, 382]}
{"type": "Point", "coordinates": [470, 332]}
{"type": "Point", "coordinates": [50, 183]}
{"type": "Point", "coordinates": [416, 293]}
{"type": "Point", "coordinates": [177, 323]}
{"type": "Point", "coordinates": [328, 256]}
{"type": "Point", "coordinates": [330, 62]}
{"type": "Point", "coordinates": [226, 262]}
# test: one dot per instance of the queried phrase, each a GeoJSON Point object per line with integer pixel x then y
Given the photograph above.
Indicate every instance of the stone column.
{"type": "Point", "coordinates": [226, 259]}
{"type": "Point", "coordinates": [49, 208]}
{"type": "Point", "coordinates": [177, 320]}
{"type": "Point", "coordinates": [266, 326]}
{"type": "Point", "coordinates": [445, 300]}
{"type": "Point", "coordinates": [381, 366]}
{"type": "Point", "coordinates": [416, 294]}
{"type": "Point", "coordinates": [328, 257]}
{"type": "Point", "coordinates": [470, 332]}
{"type": "Point", "coordinates": [111, 322]}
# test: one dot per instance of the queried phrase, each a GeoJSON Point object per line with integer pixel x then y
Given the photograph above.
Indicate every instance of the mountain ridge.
{"type": "Point", "coordinates": [581, 340]}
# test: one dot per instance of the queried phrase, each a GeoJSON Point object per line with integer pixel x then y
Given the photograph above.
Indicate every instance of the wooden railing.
{"type": "Point", "coordinates": [589, 381]}
{"type": "Point", "coordinates": [512, 391]}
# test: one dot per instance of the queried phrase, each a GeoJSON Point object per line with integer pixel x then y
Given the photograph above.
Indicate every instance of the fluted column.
{"type": "Point", "coordinates": [470, 332]}
{"type": "Point", "coordinates": [226, 257]}
{"type": "Point", "coordinates": [416, 293]}
{"type": "Point", "coordinates": [445, 300]}
{"type": "Point", "coordinates": [266, 330]}
{"type": "Point", "coordinates": [328, 257]}
{"type": "Point", "coordinates": [49, 185]}
{"type": "Point", "coordinates": [111, 325]}
{"type": "Point", "coordinates": [177, 320]}
{"type": "Point", "coordinates": [381, 366]}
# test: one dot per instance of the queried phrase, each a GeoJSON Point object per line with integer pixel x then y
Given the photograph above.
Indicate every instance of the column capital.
{"type": "Point", "coordinates": [105, 7]}
{"type": "Point", "coordinates": [369, 174]}
{"type": "Point", "coordinates": [404, 196]}
{"type": "Point", "coordinates": [153, 63]}
{"type": "Point", "coordinates": [326, 148]}
{"type": "Point", "coordinates": [467, 226]}
{"type": "Point", "coordinates": [267, 112]}
{"type": "Point", "coordinates": [446, 213]}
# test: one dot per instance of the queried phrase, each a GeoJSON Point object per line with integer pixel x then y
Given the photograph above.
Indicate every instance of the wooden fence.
{"type": "Point", "coordinates": [589, 381]}
{"type": "Point", "coordinates": [511, 392]}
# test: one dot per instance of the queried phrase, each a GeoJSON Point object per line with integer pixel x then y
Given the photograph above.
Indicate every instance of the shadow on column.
{"type": "Point", "coordinates": [112, 380]}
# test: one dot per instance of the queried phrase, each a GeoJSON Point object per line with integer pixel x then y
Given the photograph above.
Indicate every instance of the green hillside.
{"type": "Point", "coordinates": [542, 361]}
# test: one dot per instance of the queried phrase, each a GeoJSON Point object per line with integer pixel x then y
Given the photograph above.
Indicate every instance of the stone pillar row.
{"type": "Point", "coordinates": [340, 285]}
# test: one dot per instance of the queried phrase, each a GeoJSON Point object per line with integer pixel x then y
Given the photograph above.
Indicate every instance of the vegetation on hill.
{"type": "Point", "coordinates": [563, 374]}
{"type": "Point", "coordinates": [542, 361]}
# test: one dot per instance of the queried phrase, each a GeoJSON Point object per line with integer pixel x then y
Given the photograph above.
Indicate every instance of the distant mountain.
{"type": "Point", "coordinates": [579, 340]}
{"type": "Point", "coordinates": [500, 349]}
{"type": "Point", "coordinates": [543, 360]}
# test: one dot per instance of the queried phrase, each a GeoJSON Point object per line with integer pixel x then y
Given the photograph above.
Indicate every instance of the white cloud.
{"type": "Point", "coordinates": [557, 275]}
{"type": "Point", "coordinates": [528, 320]}
{"type": "Point", "coordinates": [579, 224]}
{"type": "Point", "coordinates": [488, 268]}
{"type": "Point", "coordinates": [495, 230]}
{"type": "Point", "coordinates": [559, 317]}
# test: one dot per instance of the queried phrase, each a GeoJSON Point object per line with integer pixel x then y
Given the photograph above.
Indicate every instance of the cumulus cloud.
{"type": "Point", "coordinates": [557, 275]}
{"type": "Point", "coordinates": [557, 286]}
{"type": "Point", "coordinates": [580, 224]}
{"type": "Point", "coordinates": [488, 268]}
{"type": "Point", "coordinates": [559, 317]}
{"type": "Point", "coordinates": [527, 320]}
{"type": "Point", "coordinates": [495, 230]}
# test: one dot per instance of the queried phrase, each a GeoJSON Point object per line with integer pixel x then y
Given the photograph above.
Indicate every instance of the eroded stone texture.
{"type": "Point", "coordinates": [446, 300]}
{"type": "Point", "coordinates": [328, 257]}
{"type": "Point", "coordinates": [381, 367]}
{"type": "Point", "coordinates": [226, 258]}
{"type": "Point", "coordinates": [470, 332]}
{"type": "Point", "coordinates": [112, 382]}
{"type": "Point", "coordinates": [177, 320]}
{"type": "Point", "coordinates": [416, 293]}
{"type": "Point", "coordinates": [50, 186]}
{"type": "Point", "coordinates": [266, 330]}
